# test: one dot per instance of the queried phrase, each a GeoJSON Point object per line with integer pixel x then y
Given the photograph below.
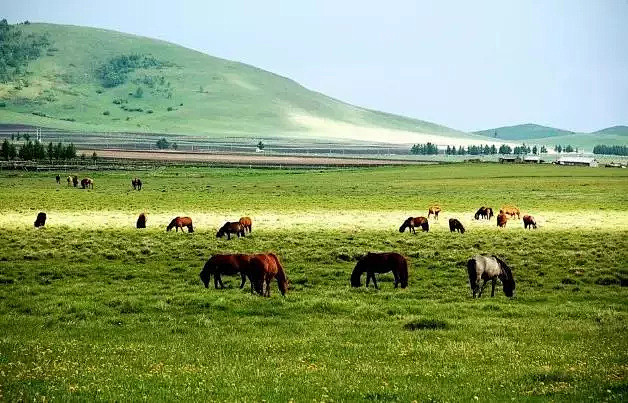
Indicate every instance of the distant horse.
{"type": "Point", "coordinates": [136, 183]}
{"type": "Point", "coordinates": [58, 178]}
{"type": "Point", "coordinates": [455, 225]}
{"type": "Point", "coordinates": [246, 223]}
{"type": "Point", "coordinates": [141, 221]}
{"type": "Point", "coordinates": [529, 222]}
{"type": "Point", "coordinates": [228, 265]}
{"type": "Point", "coordinates": [230, 228]}
{"type": "Point", "coordinates": [87, 183]}
{"type": "Point", "coordinates": [434, 210]}
{"type": "Point", "coordinates": [412, 222]}
{"type": "Point", "coordinates": [511, 211]}
{"type": "Point", "coordinates": [381, 263]}
{"type": "Point", "coordinates": [502, 219]}
{"type": "Point", "coordinates": [265, 267]}
{"type": "Point", "coordinates": [180, 222]}
{"type": "Point", "coordinates": [489, 268]}
{"type": "Point", "coordinates": [40, 221]}
{"type": "Point", "coordinates": [73, 180]}
{"type": "Point", "coordinates": [484, 213]}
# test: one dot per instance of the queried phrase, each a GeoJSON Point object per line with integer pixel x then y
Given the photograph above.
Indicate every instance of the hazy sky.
{"type": "Point", "coordinates": [466, 64]}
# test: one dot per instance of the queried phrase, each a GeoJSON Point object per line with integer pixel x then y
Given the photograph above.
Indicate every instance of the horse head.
{"type": "Point", "coordinates": [357, 274]}
{"type": "Point", "coordinates": [405, 224]}
{"type": "Point", "coordinates": [172, 224]}
{"type": "Point", "coordinates": [508, 281]}
{"type": "Point", "coordinates": [205, 275]}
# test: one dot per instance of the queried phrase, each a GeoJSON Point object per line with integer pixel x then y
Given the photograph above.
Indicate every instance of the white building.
{"type": "Point", "coordinates": [581, 161]}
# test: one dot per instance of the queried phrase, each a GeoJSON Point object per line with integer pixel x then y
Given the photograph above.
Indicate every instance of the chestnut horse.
{"type": "Point", "coordinates": [455, 225]}
{"type": "Point", "coordinates": [141, 221]}
{"type": "Point", "coordinates": [180, 222]}
{"type": "Point", "coordinates": [434, 210]}
{"type": "Point", "coordinates": [484, 212]}
{"type": "Point", "coordinates": [87, 183]}
{"type": "Point", "coordinates": [502, 219]}
{"type": "Point", "coordinates": [489, 268]}
{"type": "Point", "coordinates": [265, 267]}
{"type": "Point", "coordinates": [246, 223]}
{"type": "Point", "coordinates": [230, 228]}
{"type": "Point", "coordinates": [412, 222]}
{"type": "Point", "coordinates": [40, 221]}
{"type": "Point", "coordinates": [229, 265]}
{"type": "Point", "coordinates": [529, 222]}
{"type": "Point", "coordinates": [381, 263]}
{"type": "Point", "coordinates": [511, 211]}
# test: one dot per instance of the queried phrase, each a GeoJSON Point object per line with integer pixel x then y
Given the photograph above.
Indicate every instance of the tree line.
{"type": "Point", "coordinates": [431, 149]}
{"type": "Point", "coordinates": [565, 149]}
{"type": "Point", "coordinates": [35, 150]}
{"type": "Point", "coordinates": [610, 150]}
{"type": "Point", "coordinates": [16, 50]}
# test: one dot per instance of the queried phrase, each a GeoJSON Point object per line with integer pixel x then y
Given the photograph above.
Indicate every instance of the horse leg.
{"type": "Point", "coordinates": [493, 287]}
{"type": "Point", "coordinates": [482, 288]}
{"type": "Point", "coordinates": [268, 286]}
{"type": "Point", "coordinates": [368, 278]}
{"type": "Point", "coordinates": [216, 281]}
{"type": "Point", "coordinates": [228, 235]}
{"type": "Point", "coordinates": [375, 281]}
{"type": "Point", "coordinates": [243, 280]}
{"type": "Point", "coordinates": [396, 278]}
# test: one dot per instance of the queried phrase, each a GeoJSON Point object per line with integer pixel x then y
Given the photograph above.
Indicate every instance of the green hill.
{"type": "Point", "coordinates": [101, 80]}
{"type": "Point", "coordinates": [523, 132]}
{"type": "Point", "coordinates": [615, 130]}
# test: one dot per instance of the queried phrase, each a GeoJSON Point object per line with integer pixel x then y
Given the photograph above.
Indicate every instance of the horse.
{"type": "Point", "coordinates": [87, 183]}
{"type": "Point", "coordinates": [141, 221]}
{"type": "Point", "coordinates": [136, 183]}
{"type": "Point", "coordinates": [502, 219]}
{"type": "Point", "coordinates": [58, 179]}
{"type": "Point", "coordinates": [265, 267]}
{"type": "Point", "coordinates": [230, 228]}
{"type": "Point", "coordinates": [455, 225]}
{"type": "Point", "coordinates": [529, 222]}
{"type": "Point", "coordinates": [180, 222]}
{"type": "Point", "coordinates": [484, 213]}
{"type": "Point", "coordinates": [246, 223]}
{"type": "Point", "coordinates": [381, 263]}
{"type": "Point", "coordinates": [434, 210]}
{"type": "Point", "coordinates": [228, 265]}
{"type": "Point", "coordinates": [72, 180]}
{"type": "Point", "coordinates": [489, 268]}
{"type": "Point", "coordinates": [40, 221]}
{"type": "Point", "coordinates": [511, 211]}
{"type": "Point", "coordinates": [412, 222]}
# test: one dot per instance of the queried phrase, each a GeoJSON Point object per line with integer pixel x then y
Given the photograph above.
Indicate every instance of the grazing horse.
{"type": "Point", "coordinates": [381, 263]}
{"type": "Point", "coordinates": [180, 222]}
{"type": "Point", "coordinates": [455, 225]}
{"type": "Point", "coordinates": [141, 221]}
{"type": "Point", "coordinates": [40, 221]}
{"type": "Point", "coordinates": [489, 268]}
{"type": "Point", "coordinates": [87, 183]}
{"type": "Point", "coordinates": [265, 267]}
{"type": "Point", "coordinates": [412, 222]}
{"type": "Point", "coordinates": [529, 222]}
{"type": "Point", "coordinates": [73, 180]}
{"type": "Point", "coordinates": [58, 179]}
{"type": "Point", "coordinates": [230, 228]}
{"type": "Point", "coordinates": [228, 265]}
{"type": "Point", "coordinates": [246, 223]}
{"type": "Point", "coordinates": [511, 211]}
{"type": "Point", "coordinates": [434, 210]}
{"type": "Point", "coordinates": [136, 183]}
{"type": "Point", "coordinates": [484, 213]}
{"type": "Point", "coordinates": [502, 219]}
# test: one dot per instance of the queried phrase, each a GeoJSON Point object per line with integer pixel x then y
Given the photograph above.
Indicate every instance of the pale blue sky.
{"type": "Point", "coordinates": [466, 64]}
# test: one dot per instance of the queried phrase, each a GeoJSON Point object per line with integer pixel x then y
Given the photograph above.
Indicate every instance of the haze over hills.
{"type": "Point", "coordinates": [101, 80]}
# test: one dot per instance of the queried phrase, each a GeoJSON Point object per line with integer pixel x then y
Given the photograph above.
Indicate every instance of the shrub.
{"type": "Point", "coordinates": [170, 109]}
{"type": "Point", "coordinates": [106, 113]}
{"type": "Point", "coordinates": [149, 111]}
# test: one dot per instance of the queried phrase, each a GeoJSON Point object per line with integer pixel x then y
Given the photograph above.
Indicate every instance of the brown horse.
{"type": "Point", "coordinates": [228, 265]}
{"type": "Point", "coordinates": [180, 222]}
{"type": "Point", "coordinates": [40, 221]}
{"type": "Point", "coordinates": [265, 267]}
{"type": "Point", "coordinates": [230, 228]}
{"type": "Point", "coordinates": [381, 263]}
{"type": "Point", "coordinates": [141, 221]}
{"type": "Point", "coordinates": [484, 213]}
{"type": "Point", "coordinates": [529, 222]}
{"type": "Point", "coordinates": [434, 210]}
{"type": "Point", "coordinates": [412, 222]}
{"type": "Point", "coordinates": [246, 223]}
{"type": "Point", "coordinates": [489, 268]}
{"type": "Point", "coordinates": [136, 183]}
{"type": "Point", "coordinates": [512, 211]}
{"type": "Point", "coordinates": [87, 183]}
{"type": "Point", "coordinates": [455, 225]}
{"type": "Point", "coordinates": [502, 219]}
{"type": "Point", "coordinates": [58, 179]}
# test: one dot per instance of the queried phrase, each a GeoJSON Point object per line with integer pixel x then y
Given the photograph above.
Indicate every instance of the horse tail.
{"type": "Point", "coordinates": [426, 226]}
{"type": "Point", "coordinates": [472, 272]}
{"type": "Point", "coordinates": [282, 280]}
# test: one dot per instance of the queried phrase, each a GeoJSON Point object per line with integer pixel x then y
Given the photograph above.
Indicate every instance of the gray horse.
{"type": "Point", "coordinates": [489, 268]}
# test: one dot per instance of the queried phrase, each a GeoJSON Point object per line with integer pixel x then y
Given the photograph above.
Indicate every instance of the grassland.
{"type": "Point", "coordinates": [91, 308]}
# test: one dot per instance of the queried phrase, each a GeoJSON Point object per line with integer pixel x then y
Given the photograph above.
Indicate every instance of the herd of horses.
{"type": "Point", "coordinates": [73, 180]}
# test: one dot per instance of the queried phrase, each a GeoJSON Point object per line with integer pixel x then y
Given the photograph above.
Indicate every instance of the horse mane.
{"type": "Point", "coordinates": [508, 280]}
{"type": "Point", "coordinates": [172, 224]}
{"type": "Point", "coordinates": [282, 280]}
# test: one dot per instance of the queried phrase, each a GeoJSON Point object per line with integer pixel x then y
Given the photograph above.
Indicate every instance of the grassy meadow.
{"type": "Point", "coordinates": [93, 309]}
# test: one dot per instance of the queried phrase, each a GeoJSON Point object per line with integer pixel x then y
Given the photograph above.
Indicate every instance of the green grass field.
{"type": "Point", "coordinates": [93, 309]}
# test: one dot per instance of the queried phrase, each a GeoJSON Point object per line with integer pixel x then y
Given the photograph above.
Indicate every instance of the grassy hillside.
{"type": "Point", "coordinates": [523, 132]}
{"type": "Point", "coordinates": [181, 91]}
{"type": "Point", "coordinates": [615, 130]}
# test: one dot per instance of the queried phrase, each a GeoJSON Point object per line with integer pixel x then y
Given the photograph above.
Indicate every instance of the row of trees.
{"type": "Point", "coordinates": [610, 150]}
{"type": "Point", "coordinates": [164, 144]}
{"type": "Point", "coordinates": [424, 149]}
{"type": "Point", "coordinates": [565, 149]}
{"type": "Point", "coordinates": [16, 50]}
{"type": "Point", "coordinates": [36, 150]}
{"type": "Point", "coordinates": [431, 149]}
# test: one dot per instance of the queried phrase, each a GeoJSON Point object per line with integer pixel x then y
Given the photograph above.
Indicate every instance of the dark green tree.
{"type": "Point", "coordinates": [163, 144]}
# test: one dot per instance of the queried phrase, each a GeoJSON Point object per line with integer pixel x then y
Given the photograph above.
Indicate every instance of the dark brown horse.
{"type": "Point", "coordinates": [87, 183]}
{"type": "Point", "coordinates": [265, 267]}
{"type": "Point", "coordinates": [529, 222]}
{"type": "Point", "coordinates": [40, 221]}
{"type": "Point", "coordinates": [381, 263]}
{"type": "Point", "coordinates": [230, 228]}
{"type": "Point", "coordinates": [512, 211]}
{"type": "Point", "coordinates": [455, 225]}
{"type": "Point", "coordinates": [136, 183]}
{"type": "Point", "coordinates": [434, 210]}
{"type": "Point", "coordinates": [502, 219]}
{"type": "Point", "coordinates": [228, 265]}
{"type": "Point", "coordinates": [141, 221]}
{"type": "Point", "coordinates": [412, 222]}
{"type": "Point", "coordinates": [484, 213]}
{"type": "Point", "coordinates": [489, 268]}
{"type": "Point", "coordinates": [180, 222]}
{"type": "Point", "coordinates": [58, 179]}
{"type": "Point", "coordinates": [246, 223]}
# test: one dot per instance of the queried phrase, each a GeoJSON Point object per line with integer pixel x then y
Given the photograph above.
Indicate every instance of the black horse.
{"type": "Point", "coordinates": [40, 221]}
{"type": "Point", "coordinates": [381, 263]}
{"type": "Point", "coordinates": [455, 225]}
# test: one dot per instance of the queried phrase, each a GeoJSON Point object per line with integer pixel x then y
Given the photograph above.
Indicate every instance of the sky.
{"type": "Point", "coordinates": [469, 65]}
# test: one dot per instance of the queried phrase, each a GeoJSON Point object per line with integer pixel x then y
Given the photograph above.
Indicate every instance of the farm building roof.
{"type": "Point", "coordinates": [574, 159]}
